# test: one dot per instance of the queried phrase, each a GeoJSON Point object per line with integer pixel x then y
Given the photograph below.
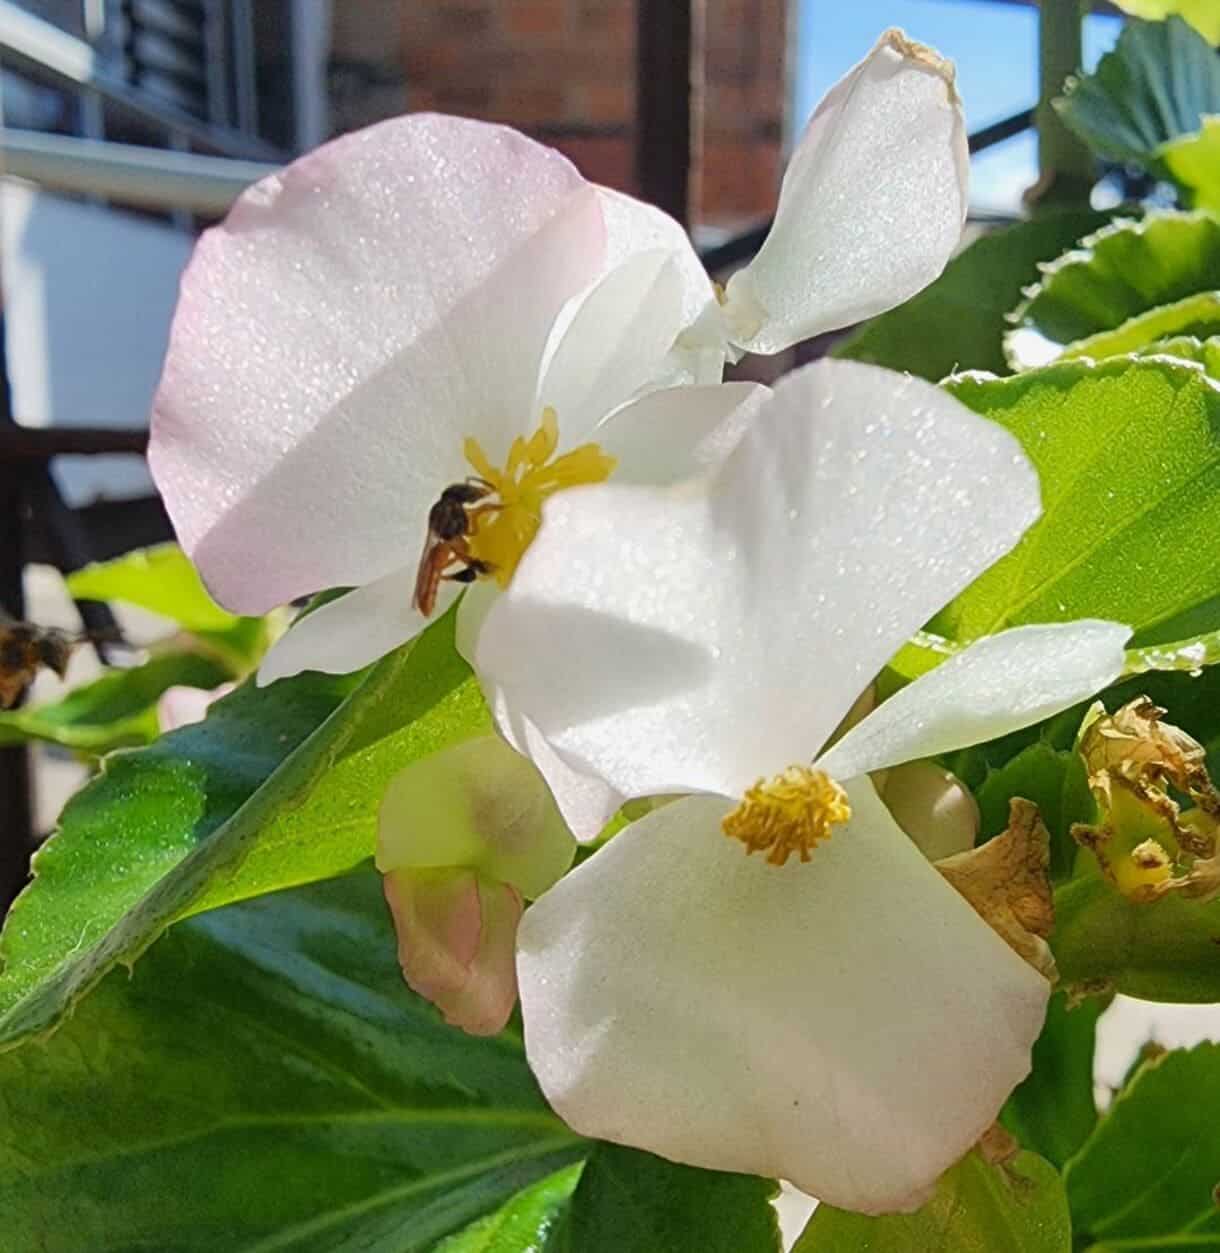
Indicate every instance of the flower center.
{"type": "Point", "coordinates": [531, 474]}
{"type": "Point", "coordinates": [789, 813]}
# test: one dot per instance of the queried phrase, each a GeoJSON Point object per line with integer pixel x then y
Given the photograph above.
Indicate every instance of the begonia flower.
{"type": "Point", "coordinates": [463, 837]}
{"type": "Point", "coordinates": [830, 1011]}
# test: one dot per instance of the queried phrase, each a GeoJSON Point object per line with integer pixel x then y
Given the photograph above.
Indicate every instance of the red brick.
{"type": "Point", "coordinates": [528, 18]}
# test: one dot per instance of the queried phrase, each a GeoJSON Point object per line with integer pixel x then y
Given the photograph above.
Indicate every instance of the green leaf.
{"type": "Point", "coordinates": [1193, 162]}
{"type": "Point", "coordinates": [1149, 1170]}
{"type": "Point", "coordinates": [266, 1081]}
{"type": "Point", "coordinates": [1165, 950]}
{"type": "Point", "coordinates": [1195, 316]}
{"type": "Point", "coordinates": [1203, 15]}
{"type": "Point", "coordinates": [958, 323]}
{"type": "Point", "coordinates": [1157, 83]}
{"type": "Point", "coordinates": [525, 1223]}
{"type": "Point", "coordinates": [633, 1202]}
{"type": "Point", "coordinates": [1055, 780]}
{"type": "Point", "coordinates": [1128, 452]}
{"type": "Point", "coordinates": [1052, 1112]}
{"type": "Point", "coordinates": [279, 786]}
{"type": "Point", "coordinates": [977, 1209]}
{"type": "Point", "coordinates": [161, 579]}
{"type": "Point", "coordinates": [117, 710]}
{"type": "Point", "coordinates": [1120, 272]}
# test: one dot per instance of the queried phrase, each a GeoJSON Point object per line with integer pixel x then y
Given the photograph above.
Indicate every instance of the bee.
{"type": "Point", "coordinates": [450, 522]}
{"type": "Point", "coordinates": [25, 648]}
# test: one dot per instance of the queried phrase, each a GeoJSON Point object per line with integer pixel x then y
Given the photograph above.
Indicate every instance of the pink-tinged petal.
{"type": "Point", "coordinates": [181, 706]}
{"type": "Point", "coordinates": [850, 1024]}
{"type": "Point", "coordinates": [339, 334]}
{"type": "Point", "coordinates": [456, 939]}
{"type": "Point", "coordinates": [717, 631]}
{"type": "Point", "coordinates": [872, 203]}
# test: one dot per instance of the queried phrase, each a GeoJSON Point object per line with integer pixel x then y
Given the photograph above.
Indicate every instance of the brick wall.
{"type": "Point", "coordinates": [563, 70]}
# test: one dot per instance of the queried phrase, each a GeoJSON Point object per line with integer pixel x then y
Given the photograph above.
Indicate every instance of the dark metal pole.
{"type": "Point", "coordinates": [667, 71]}
{"type": "Point", "coordinates": [16, 810]}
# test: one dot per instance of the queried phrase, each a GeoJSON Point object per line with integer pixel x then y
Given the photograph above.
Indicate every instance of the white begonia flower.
{"type": "Point", "coordinates": [871, 208]}
{"type": "Point", "coordinates": [850, 1024]}
{"type": "Point", "coordinates": [411, 305]}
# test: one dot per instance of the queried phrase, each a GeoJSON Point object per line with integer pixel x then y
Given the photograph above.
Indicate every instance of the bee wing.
{"type": "Point", "coordinates": [428, 575]}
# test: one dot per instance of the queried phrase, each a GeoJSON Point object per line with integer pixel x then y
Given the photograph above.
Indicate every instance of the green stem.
{"type": "Point", "coordinates": [1066, 167]}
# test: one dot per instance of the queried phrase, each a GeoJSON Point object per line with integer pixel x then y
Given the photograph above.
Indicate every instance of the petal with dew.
{"type": "Point", "coordinates": [850, 1024]}
{"type": "Point", "coordinates": [478, 804]}
{"type": "Point", "coordinates": [678, 432]}
{"type": "Point", "coordinates": [998, 684]}
{"type": "Point", "coordinates": [615, 344]}
{"type": "Point", "coordinates": [719, 630]}
{"type": "Point", "coordinates": [352, 632]}
{"type": "Point", "coordinates": [350, 321]}
{"type": "Point", "coordinates": [872, 204]}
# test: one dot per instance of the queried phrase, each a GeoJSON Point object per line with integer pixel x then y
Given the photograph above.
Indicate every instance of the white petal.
{"type": "Point", "coordinates": [871, 207]}
{"type": "Point", "coordinates": [478, 805]}
{"type": "Point", "coordinates": [672, 434]}
{"type": "Point", "coordinates": [585, 801]}
{"type": "Point", "coordinates": [998, 684]}
{"type": "Point", "coordinates": [850, 1024]}
{"type": "Point", "coordinates": [353, 631]}
{"type": "Point", "coordinates": [713, 634]}
{"type": "Point", "coordinates": [615, 344]}
{"type": "Point", "coordinates": [353, 318]}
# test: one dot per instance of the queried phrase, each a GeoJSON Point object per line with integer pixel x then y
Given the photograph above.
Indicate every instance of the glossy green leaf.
{"type": "Point", "coordinates": [1128, 452]}
{"type": "Point", "coordinates": [977, 1209]}
{"type": "Point", "coordinates": [1193, 162]}
{"type": "Point", "coordinates": [1203, 15]}
{"type": "Point", "coordinates": [1052, 1112]}
{"type": "Point", "coordinates": [279, 786]}
{"type": "Point", "coordinates": [525, 1223]}
{"type": "Point", "coordinates": [117, 710]}
{"type": "Point", "coordinates": [1157, 83]}
{"type": "Point", "coordinates": [1118, 273]}
{"type": "Point", "coordinates": [1148, 1172]}
{"type": "Point", "coordinates": [1166, 950]}
{"type": "Point", "coordinates": [161, 579]}
{"type": "Point", "coordinates": [958, 322]}
{"type": "Point", "coordinates": [1195, 317]}
{"type": "Point", "coordinates": [265, 1081]}
{"type": "Point", "coordinates": [633, 1202]}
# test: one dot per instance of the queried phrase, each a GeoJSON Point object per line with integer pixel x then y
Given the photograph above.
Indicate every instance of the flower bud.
{"type": "Point", "coordinates": [463, 837]}
{"type": "Point", "coordinates": [933, 807]}
{"type": "Point", "coordinates": [457, 935]}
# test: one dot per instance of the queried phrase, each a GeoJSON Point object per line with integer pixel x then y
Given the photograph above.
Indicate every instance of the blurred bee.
{"type": "Point", "coordinates": [450, 522]}
{"type": "Point", "coordinates": [25, 648]}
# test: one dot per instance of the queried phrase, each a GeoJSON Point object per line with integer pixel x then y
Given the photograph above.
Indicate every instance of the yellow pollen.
{"type": "Point", "coordinates": [790, 813]}
{"type": "Point", "coordinates": [503, 533]}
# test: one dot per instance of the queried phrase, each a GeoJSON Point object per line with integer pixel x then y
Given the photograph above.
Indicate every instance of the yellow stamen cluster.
{"type": "Point", "coordinates": [529, 476]}
{"type": "Point", "coordinates": [790, 813]}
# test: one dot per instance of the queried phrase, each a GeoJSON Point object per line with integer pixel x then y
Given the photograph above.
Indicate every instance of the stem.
{"type": "Point", "coordinates": [1066, 166]}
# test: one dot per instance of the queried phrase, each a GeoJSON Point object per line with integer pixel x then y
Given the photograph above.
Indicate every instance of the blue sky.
{"type": "Point", "coordinates": [995, 47]}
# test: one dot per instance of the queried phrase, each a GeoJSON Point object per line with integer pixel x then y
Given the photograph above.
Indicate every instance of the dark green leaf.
{"type": "Point", "coordinates": [266, 1081]}
{"type": "Point", "coordinates": [1149, 1171]}
{"type": "Point", "coordinates": [632, 1202]}
{"type": "Point", "coordinates": [1157, 83]}
{"type": "Point", "coordinates": [1203, 15]}
{"type": "Point", "coordinates": [1053, 1111]}
{"type": "Point", "coordinates": [958, 323]}
{"type": "Point", "coordinates": [115, 711]}
{"type": "Point", "coordinates": [1122, 271]}
{"type": "Point", "coordinates": [977, 1209]}
{"type": "Point", "coordinates": [1128, 452]}
{"type": "Point", "coordinates": [1166, 950]}
{"type": "Point", "coordinates": [525, 1223]}
{"type": "Point", "coordinates": [279, 786]}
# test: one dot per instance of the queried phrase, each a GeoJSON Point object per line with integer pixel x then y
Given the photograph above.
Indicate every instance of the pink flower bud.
{"type": "Point", "coordinates": [457, 934]}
